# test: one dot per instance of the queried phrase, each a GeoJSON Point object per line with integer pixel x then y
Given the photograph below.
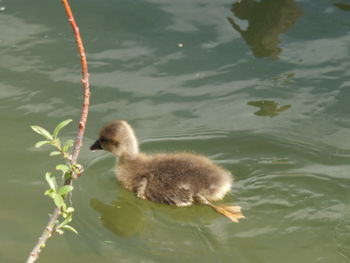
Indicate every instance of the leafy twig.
{"type": "Point", "coordinates": [51, 226]}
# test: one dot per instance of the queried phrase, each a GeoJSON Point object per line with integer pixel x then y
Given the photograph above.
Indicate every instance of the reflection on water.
{"type": "Point", "coordinates": [342, 6]}
{"type": "Point", "coordinates": [128, 217]}
{"type": "Point", "coordinates": [267, 20]}
{"type": "Point", "coordinates": [283, 79]}
{"type": "Point", "coordinates": [123, 218]}
{"type": "Point", "coordinates": [268, 107]}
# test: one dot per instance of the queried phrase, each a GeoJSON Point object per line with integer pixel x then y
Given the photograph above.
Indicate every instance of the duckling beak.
{"type": "Point", "coordinates": [96, 146]}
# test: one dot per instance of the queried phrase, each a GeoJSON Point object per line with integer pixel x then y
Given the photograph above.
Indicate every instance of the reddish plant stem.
{"type": "Point", "coordinates": [84, 81]}
{"type": "Point", "coordinates": [50, 227]}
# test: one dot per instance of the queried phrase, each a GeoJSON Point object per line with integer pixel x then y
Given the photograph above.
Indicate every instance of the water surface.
{"type": "Point", "coordinates": [261, 87]}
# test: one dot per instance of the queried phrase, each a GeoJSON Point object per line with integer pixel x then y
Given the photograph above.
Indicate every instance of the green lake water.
{"type": "Point", "coordinates": [260, 87]}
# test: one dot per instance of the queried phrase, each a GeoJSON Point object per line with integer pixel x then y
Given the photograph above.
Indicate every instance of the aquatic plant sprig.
{"type": "Point", "coordinates": [53, 223]}
{"type": "Point", "coordinates": [59, 193]}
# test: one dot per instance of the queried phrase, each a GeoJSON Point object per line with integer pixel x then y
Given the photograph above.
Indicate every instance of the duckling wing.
{"type": "Point", "coordinates": [176, 178]}
{"type": "Point", "coordinates": [163, 192]}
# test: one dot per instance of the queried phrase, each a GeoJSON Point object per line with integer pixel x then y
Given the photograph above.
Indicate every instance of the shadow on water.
{"type": "Point", "coordinates": [267, 20]}
{"type": "Point", "coordinates": [128, 217]}
{"type": "Point", "coordinates": [268, 107]}
{"type": "Point", "coordinates": [123, 218]}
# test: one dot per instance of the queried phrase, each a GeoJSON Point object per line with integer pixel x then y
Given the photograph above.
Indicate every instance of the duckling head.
{"type": "Point", "coordinates": [118, 138]}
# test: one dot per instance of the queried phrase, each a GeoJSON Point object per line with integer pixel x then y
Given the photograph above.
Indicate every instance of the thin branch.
{"type": "Point", "coordinates": [47, 233]}
{"type": "Point", "coordinates": [50, 228]}
{"type": "Point", "coordinates": [84, 81]}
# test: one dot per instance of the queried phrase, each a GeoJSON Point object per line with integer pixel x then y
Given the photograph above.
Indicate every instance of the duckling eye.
{"type": "Point", "coordinates": [103, 140]}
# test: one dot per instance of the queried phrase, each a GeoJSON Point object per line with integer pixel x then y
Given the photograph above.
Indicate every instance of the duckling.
{"type": "Point", "coordinates": [177, 179]}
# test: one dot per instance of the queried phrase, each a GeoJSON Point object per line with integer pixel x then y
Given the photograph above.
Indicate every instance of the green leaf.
{"type": "Point", "coordinates": [68, 175]}
{"type": "Point", "coordinates": [78, 168]}
{"type": "Point", "coordinates": [68, 227]}
{"type": "Point", "coordinates": [67, 145]}
{"type": "Point", "coordinates": [56, 143]}
{"type": "Point", "coordinates": [55, 153]}
{"type": "Point", "coordinates": [41, 143]}
{"type": "Point", "coordinates": [51, 180]}
{"type": "Point", "coordinates": [70, 210]}
{"type": "Point", "coordinates": [59, 231]}
{"type": "Point", "coordinates": [42, 132]}
{"type": "Point", "coordinates": [60, 126]}
{"type": "Point", "coordinates": [65, 190]}
{"type": "Point", "coordinates": [63, 167]}
{"type": "Point", "coordinates": [59, 202]}
{"type": "Point", "coordinates": [50, 193]}
{"type": "Point", "coordinates": [68, 218]}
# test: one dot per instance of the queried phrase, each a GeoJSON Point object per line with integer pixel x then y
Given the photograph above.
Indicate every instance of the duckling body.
{"type": "Point", "coordinates": [177, 179]}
